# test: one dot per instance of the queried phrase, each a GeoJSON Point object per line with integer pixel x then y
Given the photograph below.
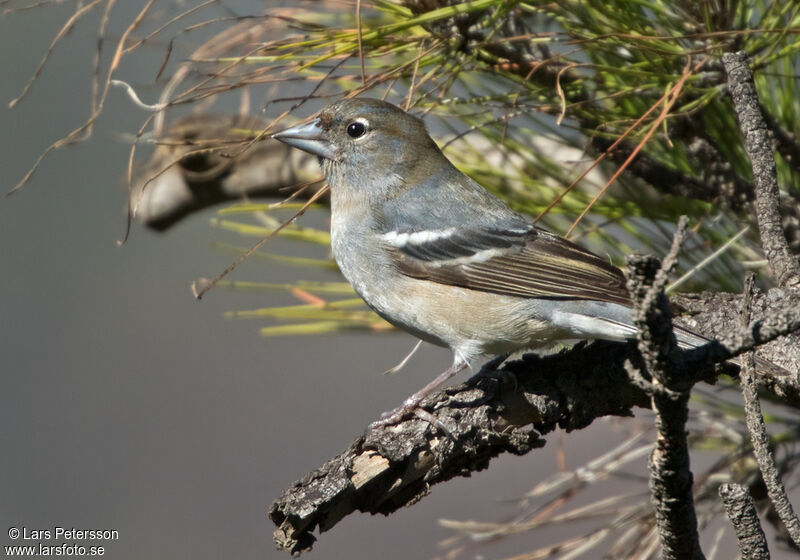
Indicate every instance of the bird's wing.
{"type": "Point", "coordinates": [525, 262]}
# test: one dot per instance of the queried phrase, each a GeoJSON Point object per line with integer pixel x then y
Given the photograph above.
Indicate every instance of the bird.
{"type": "Point", "coordinates": [434, 253]}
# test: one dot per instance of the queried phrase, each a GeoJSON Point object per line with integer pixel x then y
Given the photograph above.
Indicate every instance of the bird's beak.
{"type": "Point", "coordinates": [309, 137]}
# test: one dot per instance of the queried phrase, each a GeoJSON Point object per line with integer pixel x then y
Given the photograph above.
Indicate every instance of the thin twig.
{"type": "Point", "coordinates": [673, 96]}
{"type": "Point", "coordinates": [176, 18]}
{"type": "Point", "coordinates": [101, 32]}
{"type": "Point", "coordinates": [202, 286]}
{"type": "Point", "coordinates": [608, 151]}
{"type": "Point", "coordinates": [136, 99]}
{"type": "Point", "coordinates": [360, 45]}
{"type": "Point", "coordinates": [65, 29]}
{"type": "Point", "coordinates": [85, 130]}
{"type": "Point", "coordinates": [710, 258]}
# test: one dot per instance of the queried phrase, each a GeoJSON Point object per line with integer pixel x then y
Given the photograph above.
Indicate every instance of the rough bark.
{"type": "Point", "coordinates": [758, 433]}
{"type": "Point", "coordinates": [671, 479]}
{"type": "Point", "coordinates": [758, 144]}
{"type": "Point", "coordinates": [742, 514]}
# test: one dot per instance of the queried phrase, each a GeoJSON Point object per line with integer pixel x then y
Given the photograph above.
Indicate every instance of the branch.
{"type": "Point", "coordinates": [714, 313]}
{"type": "Point", "coordinates": [742, 514]}
{"type": "Point", "coordinates": [391, 467]}
{"type": "Point", "coordinates": [759, 437]}
{"type": "Point", "coordinates": [671, 477]}
{"type": "Point", "coordinates": [784, 265]}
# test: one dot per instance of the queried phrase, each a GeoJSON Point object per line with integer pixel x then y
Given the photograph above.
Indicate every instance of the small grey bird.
{"type": "Point", "coordinates": [434, 253]}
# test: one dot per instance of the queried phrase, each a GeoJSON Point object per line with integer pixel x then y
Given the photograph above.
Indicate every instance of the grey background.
{"type": "Point", "coordinates": [126, 404]}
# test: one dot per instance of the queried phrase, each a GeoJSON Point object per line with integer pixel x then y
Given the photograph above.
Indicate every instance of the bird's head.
{"type": "Point", "coordinates": [364, 138]}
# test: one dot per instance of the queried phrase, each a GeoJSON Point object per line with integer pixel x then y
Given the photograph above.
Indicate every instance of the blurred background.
{"type": "Point", "coordinates": [127, 404]}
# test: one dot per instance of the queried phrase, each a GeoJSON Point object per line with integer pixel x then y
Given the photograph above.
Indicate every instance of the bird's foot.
{"type": "Point", "coordinates": [410, 406]}
{"type": "Point", "coordinates": [391, 417]}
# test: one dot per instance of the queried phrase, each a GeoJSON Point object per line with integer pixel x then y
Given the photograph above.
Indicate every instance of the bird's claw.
{"type": "Point", "coordinates": [392, 417]}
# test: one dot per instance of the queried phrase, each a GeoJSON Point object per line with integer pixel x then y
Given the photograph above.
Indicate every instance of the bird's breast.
{"type": "Point", "coordinates": [360, 259]}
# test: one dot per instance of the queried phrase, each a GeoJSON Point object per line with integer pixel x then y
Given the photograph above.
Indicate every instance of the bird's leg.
{"type": "Point", "coordinates": [411, 404]}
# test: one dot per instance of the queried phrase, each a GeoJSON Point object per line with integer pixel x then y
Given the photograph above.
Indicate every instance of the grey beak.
{"type": "Point", "coordinates": [309, 137]}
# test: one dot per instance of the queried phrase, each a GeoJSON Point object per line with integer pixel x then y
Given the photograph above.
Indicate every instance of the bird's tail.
{"type": "Point", "coordinates": [688, 339]}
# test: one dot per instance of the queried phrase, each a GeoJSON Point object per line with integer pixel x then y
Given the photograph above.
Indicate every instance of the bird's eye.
{"type": "Point", "coordinates": [356, 129]}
